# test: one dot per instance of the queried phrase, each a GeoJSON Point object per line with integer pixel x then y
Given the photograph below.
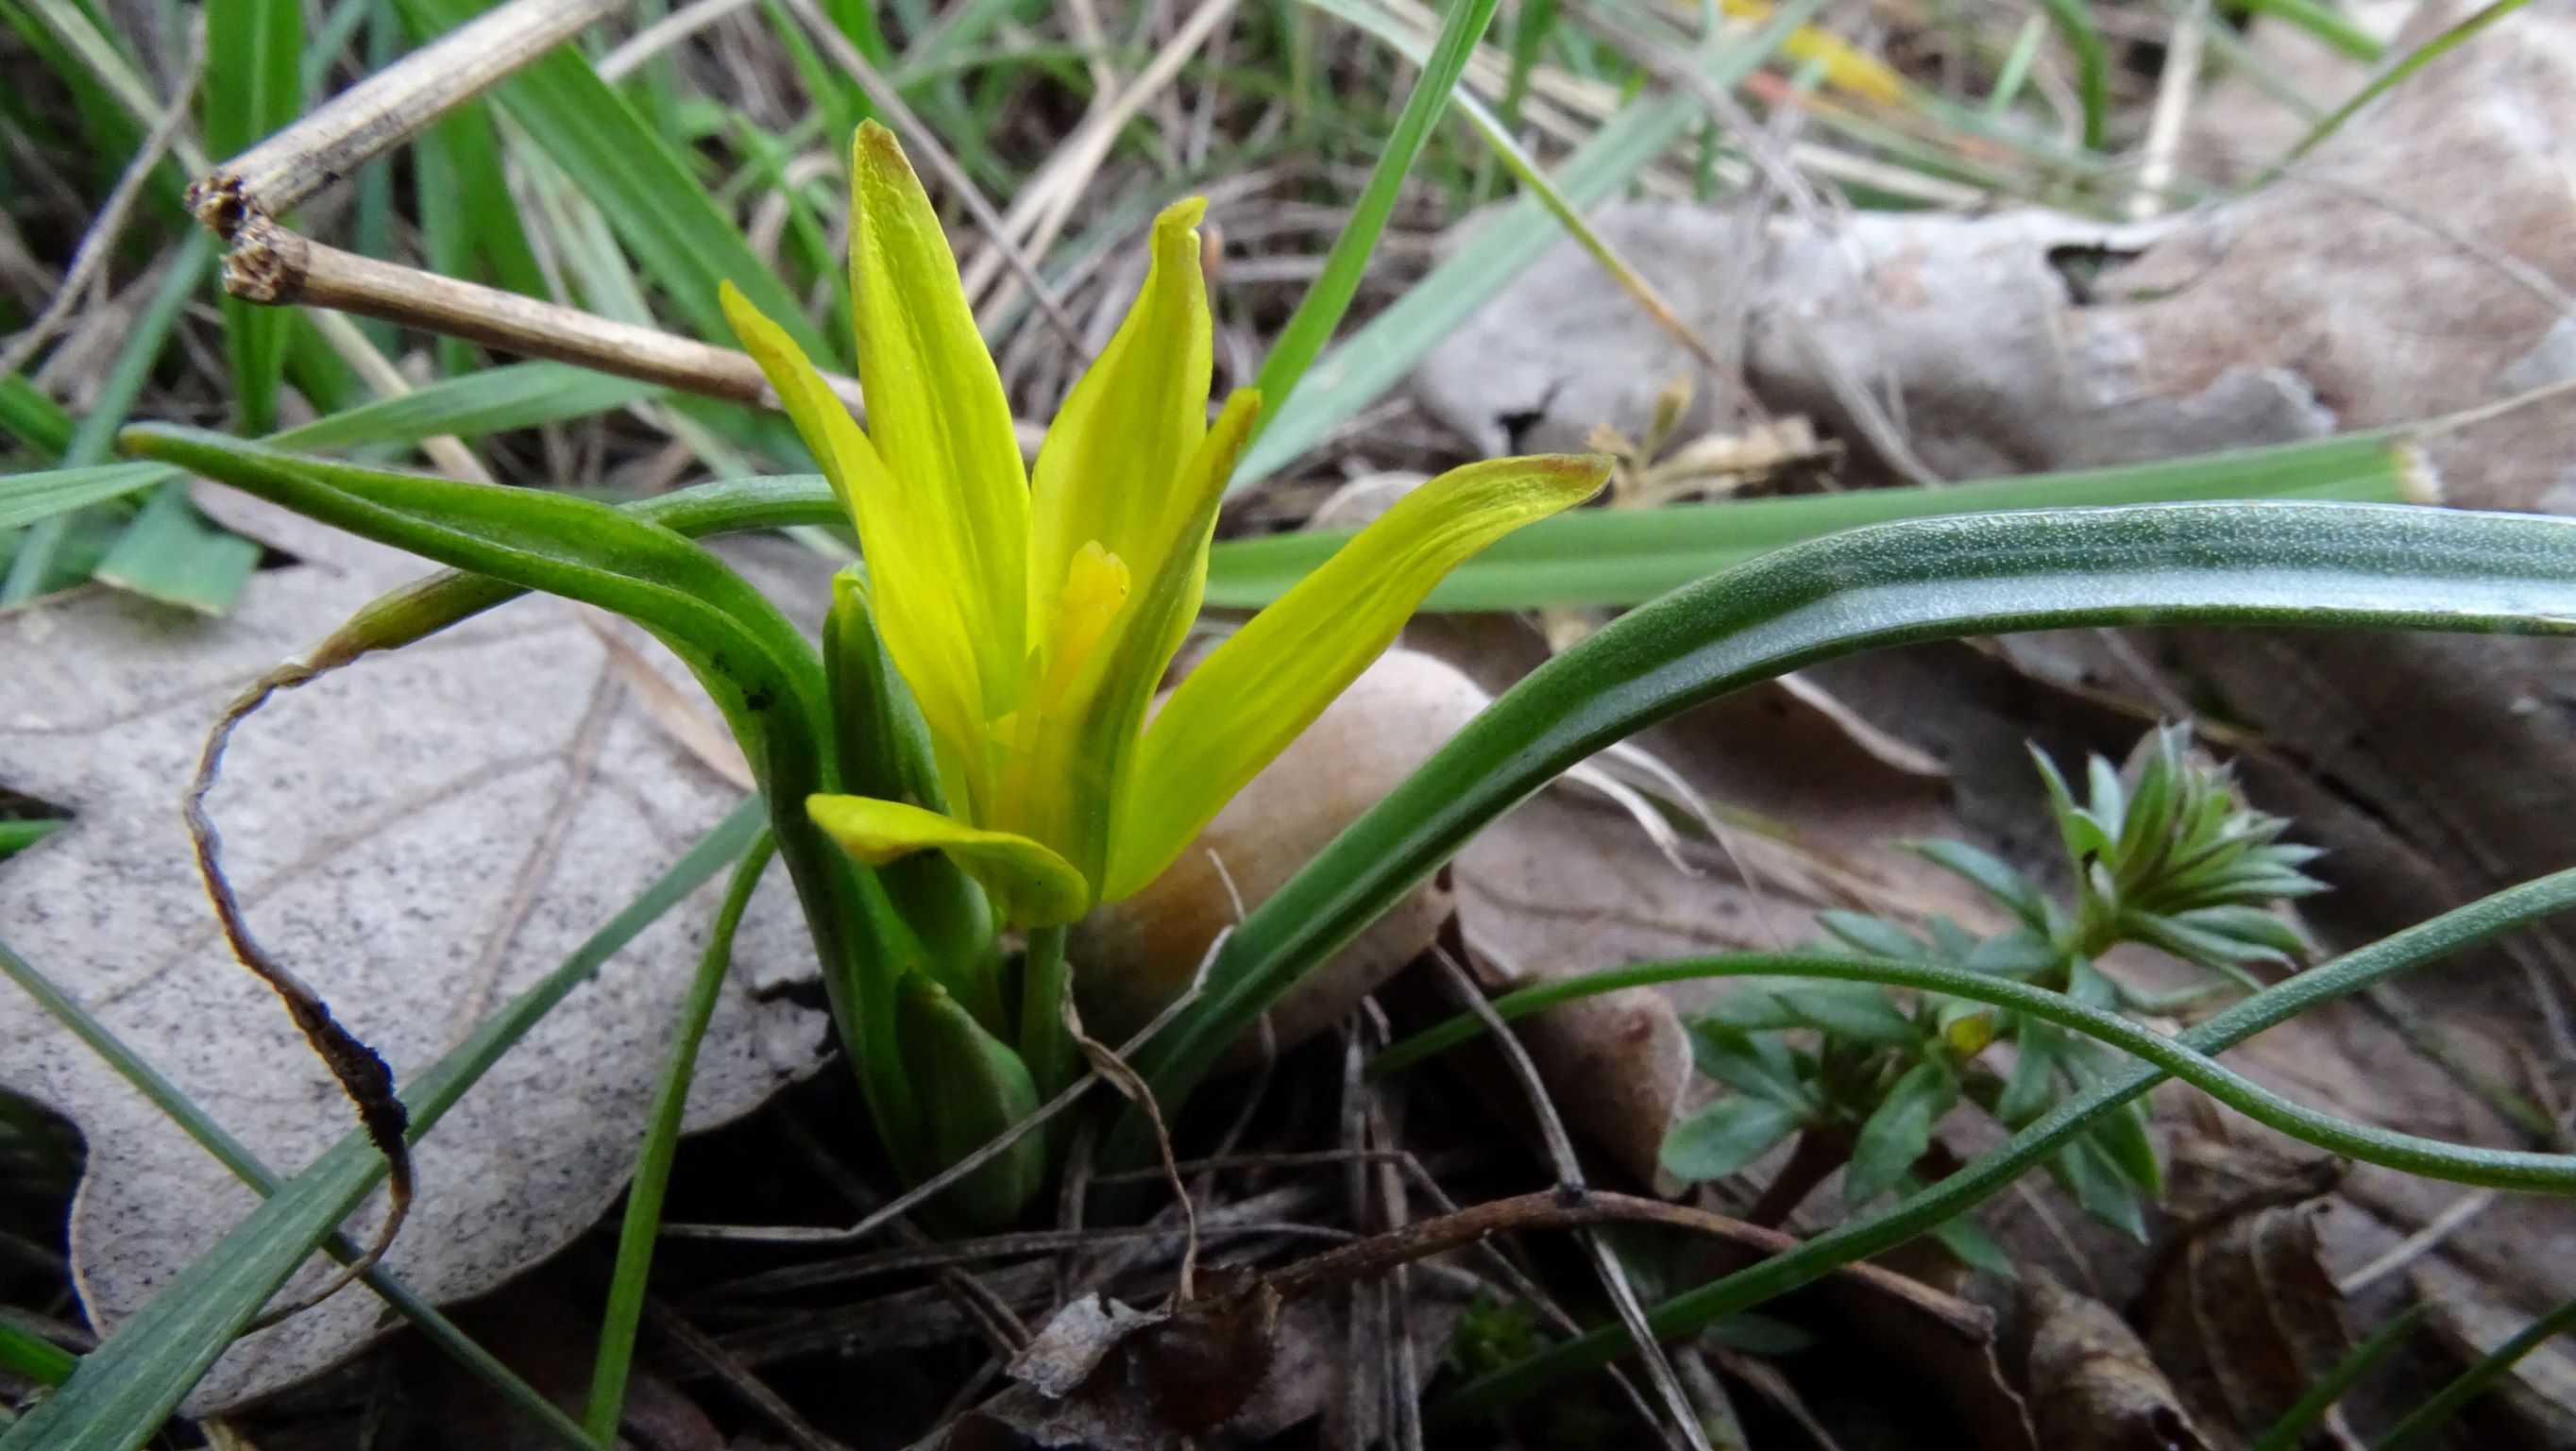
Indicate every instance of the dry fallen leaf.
{"type": "Point", "coordinates": [2093, 1386]}
{"type": "Point", "coordinates": [420, 835]}
{"type": "Point", "coordinates": [2242, 1316]}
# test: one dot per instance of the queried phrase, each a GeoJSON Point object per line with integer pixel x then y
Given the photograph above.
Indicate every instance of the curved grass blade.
{"type": "Point", "coordinates": [2291, 1431]}
{"type": "Point", "coordinates": [246, 1166]}
{"type": "Point", "coordinates": [2446, 1402]}
{"type": "Point", "coordinates": [123, 1391]}
{"type": "Point", "coordinates": [643, 1220]}
{"type": "Point", "coordinates": [763, 677]}
{"type": "Point", "coordinates": [1369, 362]}
{"type": "Point", "coordinates": [2409, 1153]}
{"type": "Point", "coordinates": [1927, 1209]}
{"type": "Point", "coordinates": [2346, 565]}
{"type": "Point", "coordinates": [1630, 556]}
{"type": "Point", "coordinates": [1320, 310]}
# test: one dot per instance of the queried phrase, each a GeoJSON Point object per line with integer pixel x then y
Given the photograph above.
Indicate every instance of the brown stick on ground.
{"type": "Point", "coordinates": [269, 264]}
{"type": "Point", "coordinates": [385, 110]}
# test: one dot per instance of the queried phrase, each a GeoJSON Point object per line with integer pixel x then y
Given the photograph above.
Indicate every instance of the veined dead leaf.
{"type": "Point", "coordinates": [420, 835]}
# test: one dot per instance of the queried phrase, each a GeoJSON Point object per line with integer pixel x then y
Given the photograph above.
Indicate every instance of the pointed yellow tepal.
{"type": "Point", "coordinates": [1033, 615]}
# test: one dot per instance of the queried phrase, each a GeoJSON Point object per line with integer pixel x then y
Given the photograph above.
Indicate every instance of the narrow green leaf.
{"type": "Point", "coordinates": [26, 498]}
{"type": "Point", "coordinates": [1898, 1131]}
{"type": "Point", "coordinates": [643, 1219]}
{"type": "Point", "coordinates": [123, 1391]}
{"type": "Point", "coordinates": [678, 236]}
{"type": "Point", "coordinates": [1365, 365]}
{"type": "Point", "coordinates": [1998, 878]}
{"type": "Point", "coordinates": [1864, 933]}
{"type": "Point", "coordinates": [29, 1356]}
{"type": "Point", "coordinates": [2291, 1431]}
{"type": "Point", "coordinates": [1724, 1137]}
{"type": "Point", "coordinates": [1856, 1011]}
{"type": "Point", "coordinates": [1320, 311]}
{"type": "Point", "coordinates": [253, 86]}
{"type": "Point", "coordinates": [2346, 565]}
{"type": "Point", "coordinates": [1629, 556]}
{"type": "Point", "coordinates": [171, 554]}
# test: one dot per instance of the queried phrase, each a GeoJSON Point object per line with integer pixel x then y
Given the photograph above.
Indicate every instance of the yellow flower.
{"type": "Point", "coordinates": [1033, 618]}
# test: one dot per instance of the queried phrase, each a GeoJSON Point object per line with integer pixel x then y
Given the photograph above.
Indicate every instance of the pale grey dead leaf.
{"type": "Point", "coordinates": [420, 835]}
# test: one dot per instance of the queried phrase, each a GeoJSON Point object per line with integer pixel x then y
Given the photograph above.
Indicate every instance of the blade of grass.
{"type": "Point", "coordinates": [246, 1166]}
{"type": "Point", "coordinates": [1320, 311]}
{"type": "Point", "coordinates": [254, 85]}
{"type": "Point", "coordinates": [2291, 1431]}
{"type": "Point", "coordinates": [643, 1221]}
{"type": "Point", "coordinates": [1918, 1213]}
{"type": "Point", "coordinates": [494, 400]}
{"type": "Point", "coordinates": [125, 1389]}
{"type": "Point", "coordinates": [2319, 565]}
{"type": "Point", "coordinates": [19, 834]}
{"type": "Point", "coordinates": [679, 238]}
{"type": "Point", "coordinates": [171, 554]}
{"type": "Point", "coordinates": [1629, 556]}
{"type": "Point", "coordinates": [2388, 80]}
{"type": "Point", "coordinates": [2447, 1402]}
{"type": "Point", "coordinates": [1353, 375]}
{"type": "Point", "coordinates": [2429, 1158]}
{"type": "Point", "coordinates": [31, 1357]}
{"type": "Point", "coordinates": [2074, 22]}
{"type": "Point", "coordinates": [33, 571]}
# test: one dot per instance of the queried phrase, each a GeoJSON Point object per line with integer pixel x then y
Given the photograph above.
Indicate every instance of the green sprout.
{"type": "Point", "coordinates": [2163, 852]}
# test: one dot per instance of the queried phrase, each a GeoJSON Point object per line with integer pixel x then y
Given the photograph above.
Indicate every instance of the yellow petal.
{"type": "Point", "coordinates": [1110, 470]}
{"type": "Point", "coordinates": [923, 618]}
{"type": "Point", "coordinates": [940, 422]}
{"type": "Point", "coordinates": [1031, 885]}
{"type": "Point", "coordinates": [1085, 752]}
{"type": "Point", "coordinates": [1256, 691]}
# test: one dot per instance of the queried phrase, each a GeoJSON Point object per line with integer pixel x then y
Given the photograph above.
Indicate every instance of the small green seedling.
{"type": "Point", "coordinates": [2163, 852]}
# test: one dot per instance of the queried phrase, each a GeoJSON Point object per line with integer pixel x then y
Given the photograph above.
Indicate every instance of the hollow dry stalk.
{"type": "Point", "coordinates": [385, 110]}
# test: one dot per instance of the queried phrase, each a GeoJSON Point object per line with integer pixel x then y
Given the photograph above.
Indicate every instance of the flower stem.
{"type": "Point", "coordinates": [1045, 1043]}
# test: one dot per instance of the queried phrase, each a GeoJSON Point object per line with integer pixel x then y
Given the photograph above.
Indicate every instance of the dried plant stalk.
{"type": "Point", "coordinates": [385, 110]}
{"type": "Point", "coordinates": [270, 264]}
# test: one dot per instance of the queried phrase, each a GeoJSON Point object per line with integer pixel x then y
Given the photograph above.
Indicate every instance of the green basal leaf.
{"type": "Point", "coordinates": [2353, 566]}
{"type": "Point", "coordinates": [760, 672]}
{"type": "Point", "coordinates": [972, 1088]}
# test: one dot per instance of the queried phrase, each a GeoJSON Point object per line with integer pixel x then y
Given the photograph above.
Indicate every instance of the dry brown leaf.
{"type": "Point", "coordinates": [420, 835]}
{"type": "Point", "coordinates": [2242, 1317]}
{"type": "Point", "coordinates": [2093, 1386]}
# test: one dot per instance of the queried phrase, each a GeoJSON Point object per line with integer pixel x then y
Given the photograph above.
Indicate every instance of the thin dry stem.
{"type": "Point", "coordinates": [385, 110]}
{"type": "Point", "coordinates": [100, 241]}
{"type": "Point", "coordinates": [1569, 1176]}
{"type": "Point", "coordinates": [925, 143]}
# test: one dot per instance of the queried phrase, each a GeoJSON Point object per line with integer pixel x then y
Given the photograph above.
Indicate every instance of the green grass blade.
{"type": "Point", "coordinates": [678, 236]}
{"type": "Point", "coordinates": [26, 498]}
{"type": "Point", "coordinates": [1360, 370]}
{"type": "Point", "coordinates": [236, 1156]}
{"type": "Point", "coordinates": [32, 571]}
{"type": "Point", "coordinates": [171, 554]}
{"type": "Point", "coordinates": [2074, 22]}
{"type": "Point", "coordinates": [1629, 556]}
{"type": "Point", "coordinates": [253, 86]}
{"type": "Point", "coordinates": [2422, 56]}
{"type": "Point", "coordinates": [492, 400]}
{"type": "Point", "coordinates": [2447, 1402]}
{"type": "Point", "coordinates": [2408, 1153]}
{"type": "Point", "coordinates": [1926, 1209]}
{"type": "Point", "coordinates": [1320, 311]}
{"type": "Point", "coordinates": [31, 1357]}
{"type": "Point", "coordinates": [2290, 1432]}
{"type": "Point", "coordinates": [643, 1221]}
{"type": "Point", "coordinates": [32, 418]}
{"type": "Point", "coordinates": [123, 1391]}
{"type": "Point", "coordinates": [762, 675]}
{"type": "Point", "coordinates": [2375, 566]}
